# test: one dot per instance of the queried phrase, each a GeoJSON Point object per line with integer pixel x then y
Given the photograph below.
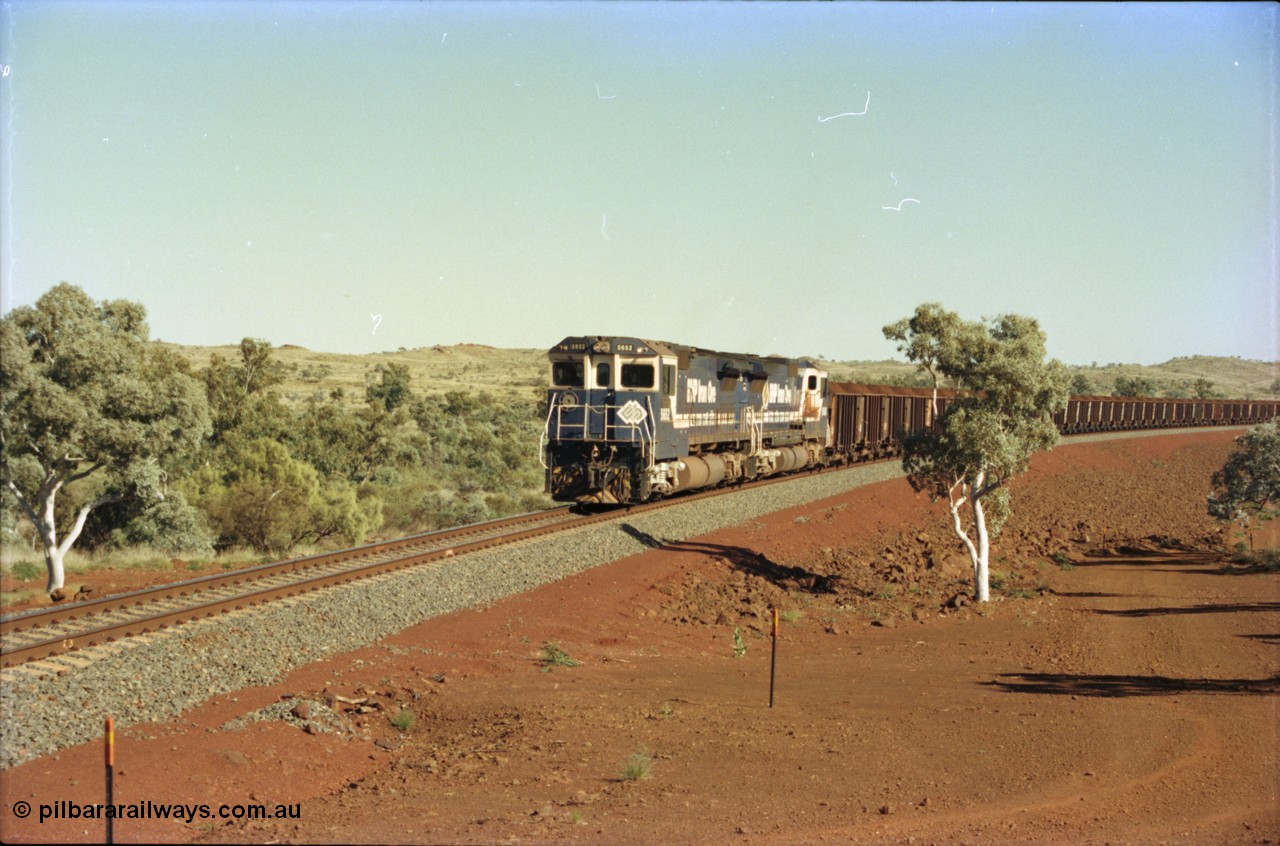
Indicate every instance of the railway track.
{"type": "Point", "coordinates": [54, 634]}
{"type": "Point", "coordinates": [34, 635]}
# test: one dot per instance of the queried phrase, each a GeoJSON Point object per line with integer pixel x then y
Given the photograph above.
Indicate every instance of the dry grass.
{"type": "Point", "coordinates": [434, 370]}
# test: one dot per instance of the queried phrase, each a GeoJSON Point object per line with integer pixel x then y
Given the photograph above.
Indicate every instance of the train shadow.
{"type": "Point", "coordinates": [1173, 559]}
{"type": "Point", "coordinates": [758, 564]}
{"type": "Point", "coordinates": [746, 560]}
{"type": "Point", "coordinates": [1190, 609]}
{"type": "Point", "coordinates": [1149, 557]}
{"type": "Point", "coordinates": [1061, 684]}
{"type": "Point", "coordinates": [644, 537]}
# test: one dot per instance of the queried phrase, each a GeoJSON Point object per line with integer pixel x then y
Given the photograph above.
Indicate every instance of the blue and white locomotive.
{"type": "Point", "coordinates": [629, 420]}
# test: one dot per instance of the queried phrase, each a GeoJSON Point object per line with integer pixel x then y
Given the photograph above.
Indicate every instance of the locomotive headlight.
{"type": "Point", "coordinates": [568, 399]}
{"type": "Point", "coordinates": [600, 347]}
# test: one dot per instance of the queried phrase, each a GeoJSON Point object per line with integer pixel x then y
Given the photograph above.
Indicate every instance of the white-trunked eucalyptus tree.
{"type": "Point", "coordinates": [86, 398]}
{"type": "Point", "coordinates": [1003, 415]}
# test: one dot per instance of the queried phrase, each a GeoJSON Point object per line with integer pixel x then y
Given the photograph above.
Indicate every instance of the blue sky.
{"type": "Point", "coordinates": [767, 178]}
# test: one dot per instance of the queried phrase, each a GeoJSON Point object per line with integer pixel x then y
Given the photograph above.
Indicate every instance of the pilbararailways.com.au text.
{"type": "Point", "coordinates": [147, 810]}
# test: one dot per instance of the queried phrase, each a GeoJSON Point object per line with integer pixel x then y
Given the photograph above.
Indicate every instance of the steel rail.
{"type": "Point", "coordinates": [24, 620]}
{"type": "Point", "coordinates": [86, 616]}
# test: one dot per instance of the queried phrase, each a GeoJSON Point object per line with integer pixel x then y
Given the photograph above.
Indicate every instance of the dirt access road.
{"type": "Point", "coordinates": [1123, 689]}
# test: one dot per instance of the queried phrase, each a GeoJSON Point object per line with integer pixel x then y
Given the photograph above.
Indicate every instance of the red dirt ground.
{"type": "Point", "coordinates": [1123, 688]}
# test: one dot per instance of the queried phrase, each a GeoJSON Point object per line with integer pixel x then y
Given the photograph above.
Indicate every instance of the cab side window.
{"type": "Point", "coordinates": [637, 375]}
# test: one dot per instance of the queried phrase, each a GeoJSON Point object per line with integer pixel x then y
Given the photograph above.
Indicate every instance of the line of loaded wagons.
{"type": "Point", "coordinates": [870, 419]}
{"type": "Point", "coordinates": [629, 420]}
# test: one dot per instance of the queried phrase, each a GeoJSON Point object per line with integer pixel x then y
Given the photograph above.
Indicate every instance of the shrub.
{"type": "Point", "coordinates": [637, 767]}
{"type": "Point", "coordinates": [261, 496]}
{"type": "Point", "coordinates": [1263, 559]}
{"type": "Point", "coordinates": [172, 526]}
{"type": "Point", "coordinates": [25, 571]}
{"type": "Point", "coordinates": [554, 656]}
{"type": "Point", "coordinates": [1247, 488]}
{"type": "Point", "coordinates": [402, 720]}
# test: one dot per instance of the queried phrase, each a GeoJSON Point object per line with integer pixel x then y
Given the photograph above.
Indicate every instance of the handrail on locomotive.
{"type": "Point", "coordinates": [610, 431]}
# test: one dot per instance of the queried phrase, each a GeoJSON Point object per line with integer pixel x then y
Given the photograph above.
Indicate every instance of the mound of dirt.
{"type": "Point", "coordinates": [1121, 501]}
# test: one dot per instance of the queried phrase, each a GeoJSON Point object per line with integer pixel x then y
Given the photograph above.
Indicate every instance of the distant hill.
{"type": "Point", "coordinates": [520, 373]}
{"type": "Point", "coordinates": [1231, 377]}
{"type": "Point", "coordinates": [436, 370]}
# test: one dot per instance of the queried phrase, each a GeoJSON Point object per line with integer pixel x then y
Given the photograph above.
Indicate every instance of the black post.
{"type": "Point", "coordinates": [111, 764]}
{"type": "Point", "coordinates": [773, 658]}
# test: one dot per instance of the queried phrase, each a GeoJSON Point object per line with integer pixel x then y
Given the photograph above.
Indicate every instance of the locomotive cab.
{"type": "Point", "coordinates": [605, 410]}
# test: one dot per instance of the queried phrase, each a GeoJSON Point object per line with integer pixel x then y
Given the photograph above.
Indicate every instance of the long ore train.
{"type": "Point", "coordinates": [629, 420]}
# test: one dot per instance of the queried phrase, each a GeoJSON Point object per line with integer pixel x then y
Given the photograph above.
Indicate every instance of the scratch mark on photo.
{"type": "Point", "coordinates": [898, 207]}
{"type": "Point", "coordinates": [604, 222]}
{"type": "Point", "coordinates": [603, 96]}
{"type": "Point", "coordinates": [848, 114]}
{"type": "Point", "coordinates": [377, 321]}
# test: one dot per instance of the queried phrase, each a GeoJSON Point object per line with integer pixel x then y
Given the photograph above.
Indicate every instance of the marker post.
{"type": "Point", "coordinates": [773, 659]}
{"type": "Point", "coordinates": [111, 765]}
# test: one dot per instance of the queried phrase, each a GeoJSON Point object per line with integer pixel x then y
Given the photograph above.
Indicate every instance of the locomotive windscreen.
{"type": "Point", "coordinates": [637, 375]}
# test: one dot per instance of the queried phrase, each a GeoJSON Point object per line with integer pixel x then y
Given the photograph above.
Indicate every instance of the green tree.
{"type": "Point", "coordinates": [169, 525]}
{"type": "Point", "coordinates": [926, 338]}
{"type": "Point", "coordinates": [354, 444]}
{"type": "Point", "coordinates": [86, 397]}
{"type": "Point", "coordinates": [481, 442]}
{"type": "Point", "coordinates": [1081, 386]}
{"type": "Point", "coordinates": [1247, 488]}
{"type": "Point", "coordinates": [391, 390]}
{"type": "Point", "coordinates": [1134, 386]}
{"type": "Point", "coordinates": [172, 526]}
{"type": "Point", "coordinates": [1205, 389]}
{"type": "Point", "coordinates": [240, 396]}
{"type": "Point", "coordinates": [259, 495]}
{"type": "Point", "coordinates": [1004, 415]}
